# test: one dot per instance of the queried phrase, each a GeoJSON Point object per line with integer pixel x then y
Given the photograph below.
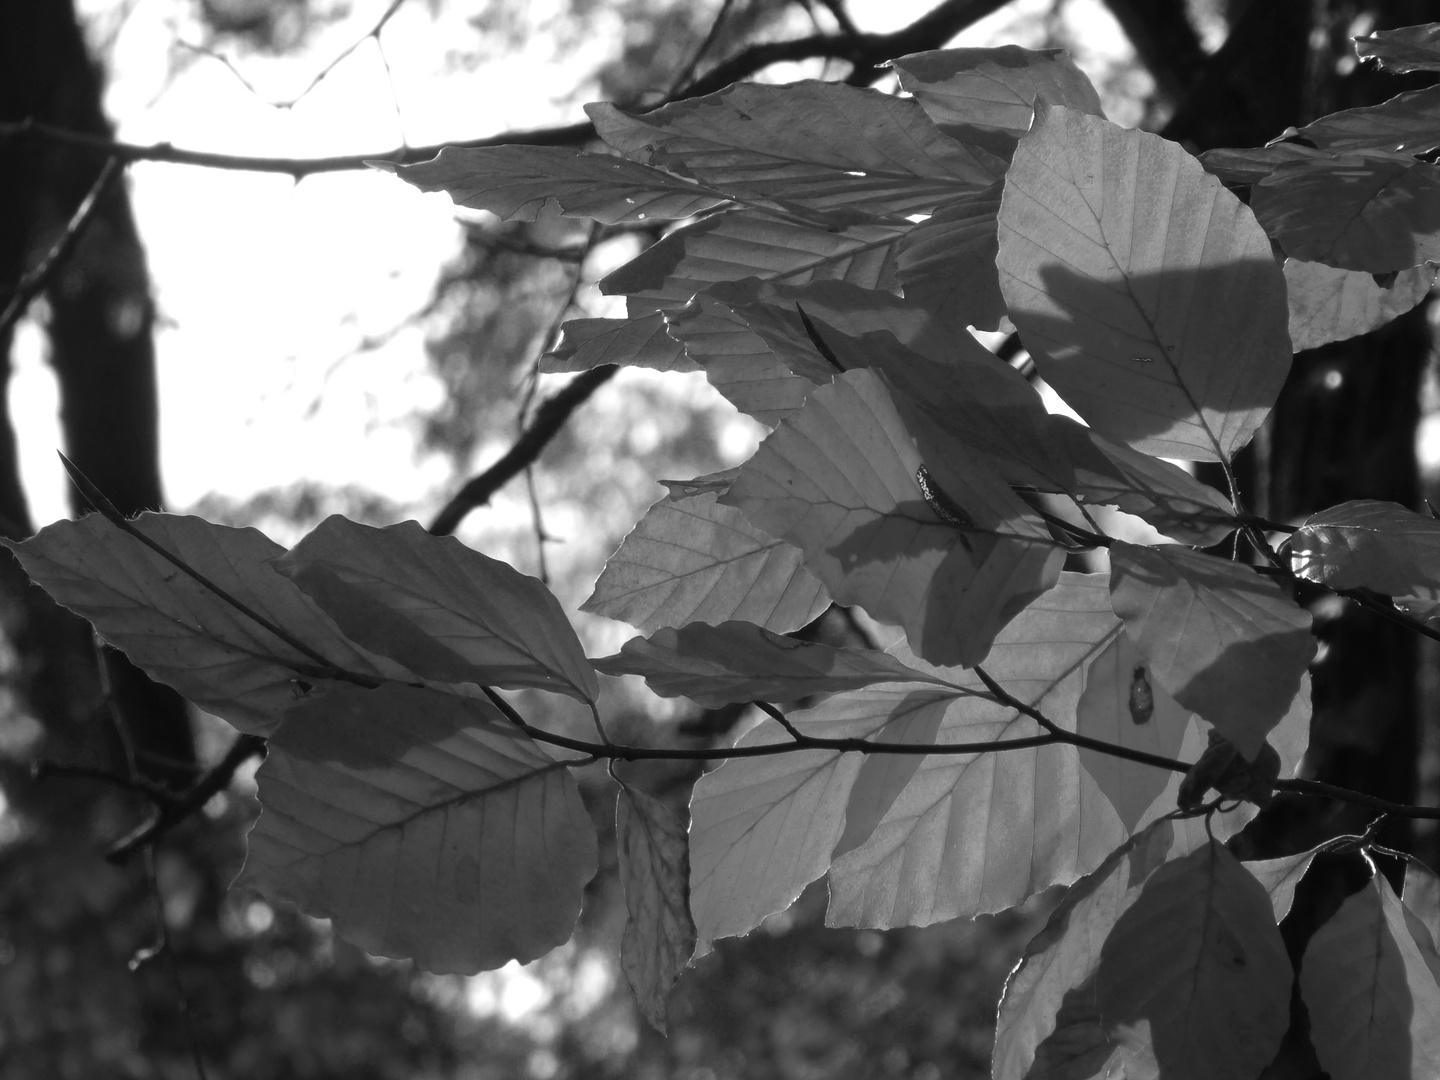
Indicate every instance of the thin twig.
{"type": "Point", "coordinates": [187, 804]}
{"type": "Point", "coordinates": [323, 73]}
{"type": "Point", "coordinates": [36, 281]}
{"type": "Point", "coordinates": [780, 718]}
{"type": "Point", "coordinates": [550, 417]}
{"type": "Point", "coordinates": [711, 35]}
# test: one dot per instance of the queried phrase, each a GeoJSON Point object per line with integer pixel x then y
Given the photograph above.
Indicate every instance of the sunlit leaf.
{"type": "Point", "coordinates": [1366, 211]}
{"type": "Point", "coordinates": [840, 479]}
{"type": "Point", "coordinates": [1050, 1025]}
{"type": "Point", "coordinates": [642, 342]}
{"type": "Point", "coordinates": [443, 609]}
{"type": "Point", "coordinates": [820, 144]}
{"type": "Point", "coordinates": [1194, 980]}
{"type": "Point", "coordinates": [1422, 896]}
{"type": "Point", "coordinates": [1409, 48]}
{"type": "Point", "coordinates": [987, 96]}
{"type": "Point", "coordinates": [947, 263]}
{"type": "Point", "coordinates": [1225, 642]}
{"type": "Point", "coordinates": [1369, 544]}
{"type": "Point", "coordinates": [1151, 488]}
{"type": "Point", "coordinates": [689, 559]}
{"type": "Point", "coordinates": [1329, 304]}
{"type": "Point", "coordinates": [1408, 123]}
{"type": "Point", "coordinates": [739, 661]}
{"type": "Point", "coordinates": [1252, 164]}
{"type": "Point", "coordinates": [1143, 288]}
{"type": "Point", "coordinates": [763, 828]}
{"type": "Point", "coordinates": [180, 632]}
{"type": "Point", "coordinates": [1369, 982]}
{"type": "Point", "coordinates": [1122, 706]}
{"type": "Point", "coordinates": [424, 825]}
{"type": "Point", "coordinates": [518, 182]}
{"type": "Point", "coordinates": [659, 938]}
{"type": "Point", "coordinates": [1280, 876]}
{"type": "Point", "coordinates": [726, 247]}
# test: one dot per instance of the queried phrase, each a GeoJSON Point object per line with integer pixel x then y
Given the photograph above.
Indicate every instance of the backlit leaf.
{"type": "Point", "coordinates": [445, 610]}
{"type": "Point", "coordinates": [518, 182]}
{"type": "Point", "coordinates": [659, 937]}
{"type": "Point", "coordinates": [821, 144]}
{"type": "Point", "coordinates": [1369, 982]}
{"type": "Point", "coordinates": [739, 661]}
{"type": "Point", "coordinates": [1422, 896]}
{"type": "Point", "coordinates": [947, 263]}
{"type": "Point", "coordinates": [1408, 123]}
{"type": "Point", "coordinates": [1280, 876]}
{"type": "Point", "coordinates": [181, 633]}
{"type": "Point", "coordinates": [1193, 980]}
{"type": "Point", "coordinates": [725, 247]}
{"type": "Point", "coordinates": [839, 480]}
{"type": "Point", "coordinates": [1409, 48]}
{"type": "Point", "coordinates": [1143, 288]}
{"type": "Point", "coordinates": [1050, 1025]}
{"type": "Point", "coordinates": [642, 342]}
{"type": "Point", "coordinates": [424, 825]}
{"type": "Point", "coordinates": [1369, 544]}
{"type": "Point", "coordinates": [1329, 304]}
{"type": "Point", "coordinates": [763, 828]}
{"type": "Point", "coordinates": [987, 96]}
{"type": "Point", "coordinates": [1361, 211]}
{"type": "Point", "coordinates": [1225, 642]}
{"type": "Point", "coordinates": [1111, 708]}
{"type": "Point", "coordinates": [689, 559]}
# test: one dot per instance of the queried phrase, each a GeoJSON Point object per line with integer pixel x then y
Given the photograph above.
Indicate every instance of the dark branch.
{"type": "Point", "coordinates": [174, 811]}
{"type": "Point", "coordinates": [38, 279]}
{"type": "Point", "coordinates": [549, 418]}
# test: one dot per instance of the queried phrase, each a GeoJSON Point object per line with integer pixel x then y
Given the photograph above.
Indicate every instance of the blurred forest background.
{"type": "Point", "coordinates": [268, 342]}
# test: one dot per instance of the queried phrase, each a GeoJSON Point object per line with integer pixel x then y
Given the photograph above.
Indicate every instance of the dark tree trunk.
{"type": "Point", "coordinates": [101, 346]}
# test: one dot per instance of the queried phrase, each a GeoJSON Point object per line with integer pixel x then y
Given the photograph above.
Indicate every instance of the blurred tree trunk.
{"type": "Point", "coordinates": [99, 331]}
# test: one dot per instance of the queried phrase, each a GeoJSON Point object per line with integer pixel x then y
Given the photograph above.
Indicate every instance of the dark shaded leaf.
{"type": "Point", "coordinates": [659, 937]}
{"type": "Point", "coordinates": [947, 264]}
{"type": "Point", "coordinates": [1409, 48]}
{"type": "Point", "coordinates": [642, 342]}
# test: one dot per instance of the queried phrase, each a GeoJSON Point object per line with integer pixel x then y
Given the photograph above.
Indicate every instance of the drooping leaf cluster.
{"type": "Point", "coordinates": [830, 249]}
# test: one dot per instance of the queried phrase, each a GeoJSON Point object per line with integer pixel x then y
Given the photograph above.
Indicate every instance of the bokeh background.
{"type": "Point", "coordinates": [267, 349]}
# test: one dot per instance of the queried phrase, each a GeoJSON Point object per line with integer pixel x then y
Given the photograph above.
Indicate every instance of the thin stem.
{"type": "Point", "coordinates": [780, 718]}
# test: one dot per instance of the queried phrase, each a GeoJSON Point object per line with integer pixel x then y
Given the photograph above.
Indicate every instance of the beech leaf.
{"type": "Point", "coordinates": [741, 244]}
{"type": "Point", "coordinates": [1409, 48]}
{"type": "Point", "coordinates": [1369, 211]}
{"type": "Point", "coordinates": [840, 479]}
{"type": "Point", "coordinates": [1225, 643]}
{"type": "Point", "coordinates": [1329, 304]}
{"type": "Point", "coordinates": [763, 828]}
{"type": "Point", "coordinates": [1369, 982]}
{"type": "Point", "coordinates": [445, 610]}
{"type": "Point", "coordinates": [690, 559]}
{"type": "Point", "coordinates": [424, 824]}
{"type": "Point", "coordinates": [659, 937]}
{"type": "Point", "coordinates": [1369, 544]}
{"type": "Point", "coordinates": [739, 661]}
{"type": "Point", "coordinates": [987, 96]}
{"type": "Point", "coordinates": [518, 182]}
{"type": "Point", "coordinates": [947, 263]}
{"type": "Point", "coordinates": [1144, 289]}
{"type": "Point", "coordinates": [643, 342]}
{"type": "Point", "coordinates": [1422, 896]}
{"type": "Point", "coordinates": [1194, 980]}
{"type": "Point", "coordinates": [1279, 877]}
{"type": "Point", "coordinates": [1122, 705]}
{"type": "Point", "coordinates": [1408, 123]}
{"type": "Point", "coordinates": [181, 633]}
{"type": "Point", "coordinates": [820, 144]}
